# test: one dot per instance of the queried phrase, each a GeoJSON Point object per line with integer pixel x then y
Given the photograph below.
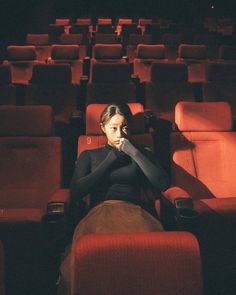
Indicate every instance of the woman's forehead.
{"type": "Point", "coordinates": [117, 119]}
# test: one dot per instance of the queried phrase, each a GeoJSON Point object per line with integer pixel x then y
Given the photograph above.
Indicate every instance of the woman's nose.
{"type": "Point", "coordinates": [119, 132]}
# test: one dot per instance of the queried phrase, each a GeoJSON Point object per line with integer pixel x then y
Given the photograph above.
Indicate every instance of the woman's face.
{"type": "Point", "coordinates": [115, 129]}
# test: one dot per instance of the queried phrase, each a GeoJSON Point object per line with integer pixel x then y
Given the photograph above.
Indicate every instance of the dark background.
{"type": "Point", "coordinates": [23, 16]}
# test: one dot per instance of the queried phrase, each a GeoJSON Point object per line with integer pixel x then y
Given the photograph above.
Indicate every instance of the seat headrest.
{"type": "Point", "coordinates": [227, 52]}
{"type": "Point", "coordinates": [18, 53]}
{"type": "Point", "coordinates": [84, 21]}
{"type": "Point", "coordinates": [108, 51]}
{"type": "Point", "coordinates": [51, 74]}
{"type": "Point", "coordinates": [5, 74]}
{"type": "Point", "coordinates": [71, 39]}
{"type": "Point", "coordinates": [221, 72]}
{"type": "Point", "coordinates": [26, 121]}
{"type": "Point", "coordinates": [169, 72]}
{"type": "Point", "coordinates": [105, 21]}
{"type": "Point", "coordinates": [94, 111]}
{"type": "Point", "coordinates": [192, 51]}
{"type": "Point", "coordinates": [125, 21]}
{"type": "Point", "coordinates": [110, 73]}
{"type": "Point", "coordinates": [37, 39]}
{"type": "Point", "coordinates": [203, 116]}
{"type": "Point", "coordinates": [151, 51]}
{"type": "Point", "coordinates": [65, 52]}
{"type": "Point", "coordinates": [62, 21]}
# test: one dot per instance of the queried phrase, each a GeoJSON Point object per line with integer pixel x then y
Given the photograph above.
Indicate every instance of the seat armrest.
{"type": "Point", "coordinates": [86, 65]}
{"type": "Point", "coordinates": [174, 194]}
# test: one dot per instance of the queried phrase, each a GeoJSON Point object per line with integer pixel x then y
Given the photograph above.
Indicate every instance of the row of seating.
{"type": "Point", "coordinates": [201, 199]}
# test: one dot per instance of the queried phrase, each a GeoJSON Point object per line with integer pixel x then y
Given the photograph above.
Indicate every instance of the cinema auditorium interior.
{"type": "Point", "coordinates": [174, 64]}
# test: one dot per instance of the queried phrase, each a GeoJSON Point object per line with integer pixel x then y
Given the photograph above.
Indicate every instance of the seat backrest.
{"type": "Point", "coordinates": [137, 263]}
{"type": "Point", "coordinates": [71, 39]}
{"type": "Point", "coordinates": [65, 52]}
{"type": "Point", "coordinates": [30, 169]}
{"type": "Point", "coordinates": [21, 53]}
{"type": "Point", "coordinates": [220, 83]}
{"type": "Point", "coordinates": [151, 51]}
{"type": "Point", "coordinates": [95, 138]}
{"type": "Point", "coordinates": [168, 85]}
{"type": "Point", "coordinates": [100, 38]}
{"type": "Point", "coordinates": [203, 157]}
{"type": "Point", "coordinates": [125, 21]}
{"type": "Point", "coordinates": [62, 21]}
{"type": "Point", "coordinates": [104, 21]}
{"type": "Point", "coordinates": [187, 51]}
{"type": "Point", "coordinates": [51, 74]}
{"type": "Point", "coordinates": [107, 51]}
{"type": "Point", "coordinates": [37, 39]}
{"type": "Point", "coordinates": [84, 21]}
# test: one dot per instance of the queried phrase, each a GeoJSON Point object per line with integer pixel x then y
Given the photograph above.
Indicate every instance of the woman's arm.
{"type": "Point", "coordinates": [149, 165]}
{"type": "Point", "coordinates": [83, 179]}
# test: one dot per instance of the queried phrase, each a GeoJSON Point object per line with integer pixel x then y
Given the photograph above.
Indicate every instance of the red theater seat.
{"type": "Point", "coordinates": [21, 60]}
{"type": "Point", "coordinates": [104, 21]}
{"type": "Point", "coordinates": [75, 39]}
{"type": "Point", "coordinates": [41, 43]}
{"type": "Point", "coordinates": [146, 55]}
{"type": "Point", "coordinates": [203, 166]}
{"type": "Point", "coordinates": [105, 38]}
{"type": "Point", "coordinates": [68, 54]}
{"type": "Point", "coordinates": [220, 83]}
{"type": "Point", "coordinates": [168, 85]}
{"type": "Point", "coordinates": [110, 82]}
{"type": "Point", "coordinates": [107, 53]}
{"type": "Point", "coordinates": [137, 263]}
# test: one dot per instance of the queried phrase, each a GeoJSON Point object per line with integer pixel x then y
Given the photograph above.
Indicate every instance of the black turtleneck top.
{"type": "Point", "coordinates": [107, 173]}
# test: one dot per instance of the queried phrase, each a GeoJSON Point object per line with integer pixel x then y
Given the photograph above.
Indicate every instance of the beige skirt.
{"type": "Point", "coordinates": [107, 217]}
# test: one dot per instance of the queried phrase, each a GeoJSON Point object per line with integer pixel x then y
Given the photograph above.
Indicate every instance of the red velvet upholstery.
{"type": "Point", "coordinates": [7, 90]}
{"type": "Point", "coordinates": [203, 165]}
{"type": "Point", "coordinates": [220, 83]}
{"type": "Point", "coordinates": [51, 85]}
{"type": "Point", "coordinates": [110, 82]}
{"type": "Point", "coordinates": [41, 43]}
{"type": "Point", "coordinates": [146, 55]}
{"type": "Point", "coordinates": [21, 60]}
{"type": "Point", "coordinates": [68, 54]}
{"type": "Point", "coordinates": [14, 121]}
{"type": "Point", "coordinates": [168, 85]}
{"type": "Point", "coordinates": [137, 263]}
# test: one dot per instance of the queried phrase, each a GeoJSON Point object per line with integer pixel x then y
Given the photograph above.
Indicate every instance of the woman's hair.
{"type": "Point", "coordinates": [116, 108]}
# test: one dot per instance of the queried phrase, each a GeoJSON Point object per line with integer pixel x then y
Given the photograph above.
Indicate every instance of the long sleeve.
{"type": "Point", "coordinates": [149, 165]}
{"type": "Point", "coordinates": [83, 179]}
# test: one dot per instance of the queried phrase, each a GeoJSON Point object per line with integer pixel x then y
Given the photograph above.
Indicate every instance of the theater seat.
{"type": "Point", "coordinates": [146, 55]}
{"type": "Point", "coordinates": [69, 54]}
{"type": "Point", "coordinates": [30, 179]}
{"type": "Point", "coordinates": [107, 53]}
{"type": "Point", "coordinates": [42, 46]}
{"type": "Point", "coordinates": [132, 43]}
{"type": "Point", "coordinates": [220, 83]}
{"type": "Point", "coordinates": [110, 82]}
{"type": "Point", "coordinates": [137, 263]}
{"type": "Point", "coordinates": [203, 166]}
{"type": "Point", "coordinates": [21, 60]}
{"type": "Point", "coordinates": [168, 85]}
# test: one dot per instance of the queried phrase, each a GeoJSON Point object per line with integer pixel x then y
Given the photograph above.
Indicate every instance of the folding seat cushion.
{"type": "Point", "coordinates": [41, 43]}
{"type": "Point", "coordinates": [21, 60]}
{"type": "Point", "coordinates": [7, 89]}
{"type": "Point", "coordinates": [68, 54]}
{"type": "Point", "coordinates": [220, 83]}
{"type": "Point", "coordinates": [107, 53]}
{"type": "Point", "coordinates": [227, 53]}
{"type": "Point", "coordinates": [203, 166]}
{"type": "Point", "coordinates": [146, 55]}
{"type": "Point", "coordinates": [137, 263]}
{"type": "Point", "coordinates": [51, 84]}
{"type": "Point", "coordinates": [75, 39]}
{"type": "Point", "coordinates": [168, 85]}
{"type": "Point", "coordinates": [110, 82]}
{"type": "Point", "coordinates": [102, 38]}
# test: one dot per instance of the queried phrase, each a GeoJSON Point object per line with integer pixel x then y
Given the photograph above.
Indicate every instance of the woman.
{"type": "Point", "coordinates": [114, 176]}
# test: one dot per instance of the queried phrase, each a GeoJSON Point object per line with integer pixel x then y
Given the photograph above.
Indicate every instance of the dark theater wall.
{"type": "Point", "coordinates": [19, 17]}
